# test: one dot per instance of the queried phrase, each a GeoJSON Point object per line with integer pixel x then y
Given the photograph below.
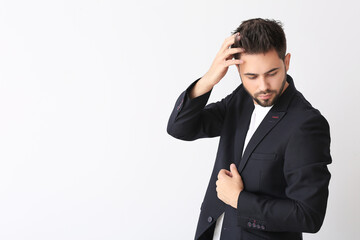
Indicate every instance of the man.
{"type": "Point", "coordinates": [270, 177]}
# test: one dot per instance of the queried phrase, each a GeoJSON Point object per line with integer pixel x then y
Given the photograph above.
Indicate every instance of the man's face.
{"type": "Point", "coordinates": [264, 76]}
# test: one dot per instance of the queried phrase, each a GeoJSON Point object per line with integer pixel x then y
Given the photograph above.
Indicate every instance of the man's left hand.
{"type": "Point", "coordinates": [229, 185]}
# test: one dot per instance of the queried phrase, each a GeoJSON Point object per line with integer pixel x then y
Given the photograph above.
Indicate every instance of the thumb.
{"type": "Point", "coordinates": [234, 170]}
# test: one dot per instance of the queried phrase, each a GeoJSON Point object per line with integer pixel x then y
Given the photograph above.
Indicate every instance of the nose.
{"type": "Point", "coordinates": [263, 84]}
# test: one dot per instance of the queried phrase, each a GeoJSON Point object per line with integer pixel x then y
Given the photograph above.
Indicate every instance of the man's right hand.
{"type": "Point", "coordinates": [219, 67]}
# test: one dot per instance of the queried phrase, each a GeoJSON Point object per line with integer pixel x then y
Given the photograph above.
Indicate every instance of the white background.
{"type": "Point", "coordinates": [86, 89]}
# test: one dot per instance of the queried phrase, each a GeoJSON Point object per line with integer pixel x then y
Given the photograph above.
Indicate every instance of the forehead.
{"type": "Point", "coordinates": [260, 63]}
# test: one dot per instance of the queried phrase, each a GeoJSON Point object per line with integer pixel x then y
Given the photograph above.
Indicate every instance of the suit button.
{"type": "Point", "coordinates": [254, 225]}
{"type": "Point", "coordinates": [210, 219]}
{"type": "Point", "coordinates": [249, 224]}
{"type": "Point", "coordinates": [258, 226]}
{"type": "Point", "coordinates": [262, 227]}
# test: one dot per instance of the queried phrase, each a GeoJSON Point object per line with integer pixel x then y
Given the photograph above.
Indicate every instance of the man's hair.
{"type": "Point", "coordinates": [260, 36]}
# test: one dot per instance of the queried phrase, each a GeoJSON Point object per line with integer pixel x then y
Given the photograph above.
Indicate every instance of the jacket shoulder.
{"type": "Point", "coordinates": [301, 106]}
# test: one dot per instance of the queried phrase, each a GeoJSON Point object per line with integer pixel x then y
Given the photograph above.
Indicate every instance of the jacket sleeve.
{"type": "Point", "coordinates": [192, 119]}
{"type": "Point", "coordinates": [305, 170]}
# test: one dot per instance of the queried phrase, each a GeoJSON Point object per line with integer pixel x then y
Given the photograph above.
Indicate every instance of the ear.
{"type": "Point", "coordinates": [287, 61]}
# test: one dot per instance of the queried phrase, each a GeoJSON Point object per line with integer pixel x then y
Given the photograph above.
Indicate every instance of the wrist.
{"type": "Point", "coordinates": [208, 81]}
{"type": "Point", "coordinates": [236, 200]}
{"type": "Point", "coordinates": [201, 87]}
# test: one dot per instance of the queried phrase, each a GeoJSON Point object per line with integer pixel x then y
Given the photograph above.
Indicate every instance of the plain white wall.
{"type": "Point", "coordinates": [86, 89]}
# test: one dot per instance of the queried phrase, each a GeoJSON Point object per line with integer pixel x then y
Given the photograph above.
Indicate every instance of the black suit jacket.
{"type": "Point", "coordinates": [284, 166]}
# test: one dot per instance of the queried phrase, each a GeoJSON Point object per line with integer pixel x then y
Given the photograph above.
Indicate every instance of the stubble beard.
{"type": "Point", "coordinates": [271, 101]}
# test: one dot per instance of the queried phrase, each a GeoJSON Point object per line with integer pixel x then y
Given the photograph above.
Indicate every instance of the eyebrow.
{"type": "Point", "coordinates": [254, 74]}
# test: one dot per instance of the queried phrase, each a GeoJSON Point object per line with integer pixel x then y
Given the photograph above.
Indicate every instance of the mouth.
{"type": "Point", "coordinates": [265, 96]}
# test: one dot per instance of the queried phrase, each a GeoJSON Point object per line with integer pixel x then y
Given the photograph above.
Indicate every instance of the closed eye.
{"type": "Point", "coordinates": [273, 74]}
{"type": "Point", "coordinates": [252, 76]}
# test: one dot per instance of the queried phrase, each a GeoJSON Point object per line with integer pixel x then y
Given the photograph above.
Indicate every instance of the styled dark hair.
{"type": "Point", "coordinates": [260, 36]}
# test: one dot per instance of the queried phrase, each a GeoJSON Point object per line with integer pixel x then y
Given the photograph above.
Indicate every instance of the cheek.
{"type": "Point", "coordinates": [276, 83]}
{"type": "Point", "coordinates": [250, 87]}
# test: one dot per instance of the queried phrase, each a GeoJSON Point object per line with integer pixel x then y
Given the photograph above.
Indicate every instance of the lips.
{"type": "Point", "coordinates": [265, 96]}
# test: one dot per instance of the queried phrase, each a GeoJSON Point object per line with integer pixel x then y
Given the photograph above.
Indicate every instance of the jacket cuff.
{"type": "Point", "coordinates": [244, 209]}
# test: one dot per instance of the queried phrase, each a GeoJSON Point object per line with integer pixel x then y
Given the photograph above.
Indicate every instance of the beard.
{"type": "Point", "coordinates": [271, 101]}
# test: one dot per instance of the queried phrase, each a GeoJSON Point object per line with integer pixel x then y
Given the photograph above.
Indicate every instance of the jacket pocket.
{"type": "Point", "coordinates": [263, 156]}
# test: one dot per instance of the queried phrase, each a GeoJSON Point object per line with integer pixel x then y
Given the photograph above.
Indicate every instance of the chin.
{"type": "Point", "coordinates": [265, 103]}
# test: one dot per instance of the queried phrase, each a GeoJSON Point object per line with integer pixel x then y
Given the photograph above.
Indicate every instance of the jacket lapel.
{"type": "Point", "coordinates": [242, 128]}
{"type": "Point", "coordinates": [270, 121]}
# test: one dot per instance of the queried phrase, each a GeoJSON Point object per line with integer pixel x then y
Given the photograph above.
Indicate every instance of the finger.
{"type": "Point", "coordinates": [234, 170]}
{"type": "Point", "coordinates": [232, 51]}
{"type": "Point", "coordinates": [228, 173]}
{"type": "Point", "coordinates": [220, 174]}
{"type": "Point", "coordinates": [223, 173]}
{"type": "Point", "coordinates": [233, 62]}
{"type": "Point", "coordinates": [230, 41]}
